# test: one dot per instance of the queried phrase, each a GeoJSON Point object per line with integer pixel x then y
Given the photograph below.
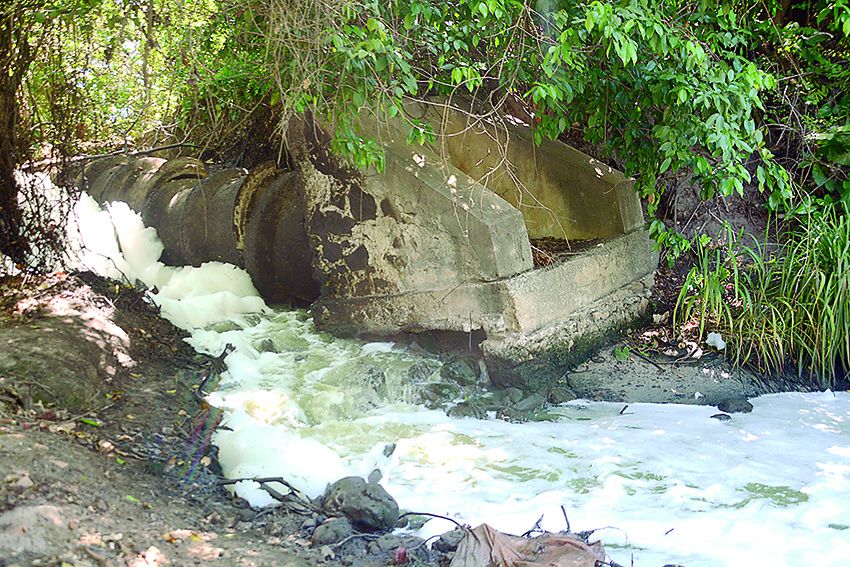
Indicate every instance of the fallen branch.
{"type": "Point", "coordinates": [646, 359]}
{"type": "Point", "coordinates": [355, 536]}
{"type": "Point", "coordinates": [77, 159]}
{"type": "Point", "coordinates": [282, 498]}
{"type": "Point", "coordinates": [430, 515]}
{"type": "Point", "coordinates": [566, 519]}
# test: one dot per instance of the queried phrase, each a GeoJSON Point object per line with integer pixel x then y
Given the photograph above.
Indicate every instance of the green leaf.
{"type": "Point", "coordinates": [819, 175]}
{"type": "Point", "coordinates": [89, 421]}
{"type": "Point", "coordinates": [760, 175]}
{"type": "Point", "coordinates": [621, 353]}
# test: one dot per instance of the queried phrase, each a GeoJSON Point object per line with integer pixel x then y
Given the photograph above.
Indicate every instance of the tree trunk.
{"type": "Point", "coordinates": [14, 60]}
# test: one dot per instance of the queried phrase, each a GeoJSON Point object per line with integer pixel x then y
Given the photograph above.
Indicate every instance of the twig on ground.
{"type": "Point", "coordinates": [90, 412]}
{"type": "Point", "coordinates": [264, 482]}
{"type": "Point", "coordinates": [430, 515]}
{"type": "Point", "coordinates": [646, 359]}
{"type": "Point", "coordinates": [355, 536]}
{"type": "Point", "coordinates": [215, 368]}
{"type": "Point", "coordinates": [100, 559]}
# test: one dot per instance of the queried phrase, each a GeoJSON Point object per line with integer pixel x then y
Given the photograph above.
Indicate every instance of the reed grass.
{"type": "Point", "coordinates": [791, 306]}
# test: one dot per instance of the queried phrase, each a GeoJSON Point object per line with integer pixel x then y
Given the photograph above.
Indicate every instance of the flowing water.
{"type": "Point", "coordinates": [663, 484]}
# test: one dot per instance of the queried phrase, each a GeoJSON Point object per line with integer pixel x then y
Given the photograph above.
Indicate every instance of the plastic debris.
{"type": "Point", "coordinates": [715, 340]}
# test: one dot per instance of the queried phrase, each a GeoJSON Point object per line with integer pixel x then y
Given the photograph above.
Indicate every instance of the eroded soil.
{"type": "Point", "coordinates": [104, 444]}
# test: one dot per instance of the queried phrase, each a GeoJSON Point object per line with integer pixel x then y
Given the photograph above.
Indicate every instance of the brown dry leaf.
{"type": "Point", "coordinates": [65, 427]}
{"type": "Point", "coordinates": [487, 547]}
{"type": "Point", "coordinates": [484, 546]}
{"type": "Point", "coordinates": [176, 536]}
{"type": "Point", "coordinates": [555, 550]}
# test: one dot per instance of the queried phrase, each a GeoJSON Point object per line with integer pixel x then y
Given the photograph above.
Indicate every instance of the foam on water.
{"type": "Point", "coordinates": [666, 482]}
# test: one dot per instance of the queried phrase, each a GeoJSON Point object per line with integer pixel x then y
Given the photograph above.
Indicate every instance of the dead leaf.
{"type": "Point", "coordinates": [485, 546]}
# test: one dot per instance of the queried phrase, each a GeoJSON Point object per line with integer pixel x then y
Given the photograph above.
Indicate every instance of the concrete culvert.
{"type": "Point", "coordinates": [96, 178]}
{"type": "Point", "coordinates": [254, 221]}
{"type": "Point", "coordinates": [276, 250]}
{"type": "Point", "coordinates": [167, 209]}
{"type": "Point", "coordinates": [215, 238]}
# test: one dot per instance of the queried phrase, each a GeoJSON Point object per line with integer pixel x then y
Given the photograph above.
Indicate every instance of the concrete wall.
{"type": "Point", "coordinates": [525, 314]}
{"type": "Point", "coordinates": [560, 191]}
{"type": "Point", "coordinates": [419, 225]}
{"type": "Point", "coordinates": [525, 317]}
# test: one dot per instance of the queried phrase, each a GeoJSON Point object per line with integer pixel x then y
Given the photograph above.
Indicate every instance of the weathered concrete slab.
{"type": "Point", "coordinates": [532, 319]}
{"type": "Point", "coordinates": [543, 297]}
{"type": "Point", "coordinates": [552, 316]}
{"type": "Point", "coordinates": [561, 192]}
{"type": "Point", "coordinates": [419, 225]}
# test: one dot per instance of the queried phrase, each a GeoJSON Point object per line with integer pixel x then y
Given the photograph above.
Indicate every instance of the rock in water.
{"type": "Point", "coordinates": [460, 372]}
{"type": "Point", "coordinates": [449, 541]}
{"type": "Point", "coordinates": [368, 506]}
{"type": "Point", "coordinates": [560, 394]}
{"type": "Point", "coordinates": [735, 405]}
{"type": "Point", "coordinates": [722, 416]}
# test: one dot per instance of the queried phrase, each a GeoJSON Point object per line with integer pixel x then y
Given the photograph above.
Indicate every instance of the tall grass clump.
{"type": "Point", "coordinates": [788, 306]}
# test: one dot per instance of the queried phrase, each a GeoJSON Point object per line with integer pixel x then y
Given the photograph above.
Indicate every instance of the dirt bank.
{"type": "Point", "coordinates": [104, 452]}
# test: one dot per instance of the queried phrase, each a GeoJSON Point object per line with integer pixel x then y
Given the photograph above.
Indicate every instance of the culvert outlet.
{"type": "Point", "coordinates": [255, 221]}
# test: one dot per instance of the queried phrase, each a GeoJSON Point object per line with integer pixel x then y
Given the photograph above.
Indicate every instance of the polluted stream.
{"type": "Point", "coordinates": [660, 483]}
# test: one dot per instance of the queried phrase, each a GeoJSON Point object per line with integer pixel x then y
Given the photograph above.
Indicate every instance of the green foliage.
{"type": "Point", "coordinates": [788, 306]}
{"type": "Point", "coordinates": [622, 353]}
{"type": "Point", "coordinates": [105, 72]}
{"type": "Point", "coordinates": [809, 115]}
{"type": "Point", "coordinates": [705, 294]}
{"type": "Point", "coordinates": [660, 84]}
